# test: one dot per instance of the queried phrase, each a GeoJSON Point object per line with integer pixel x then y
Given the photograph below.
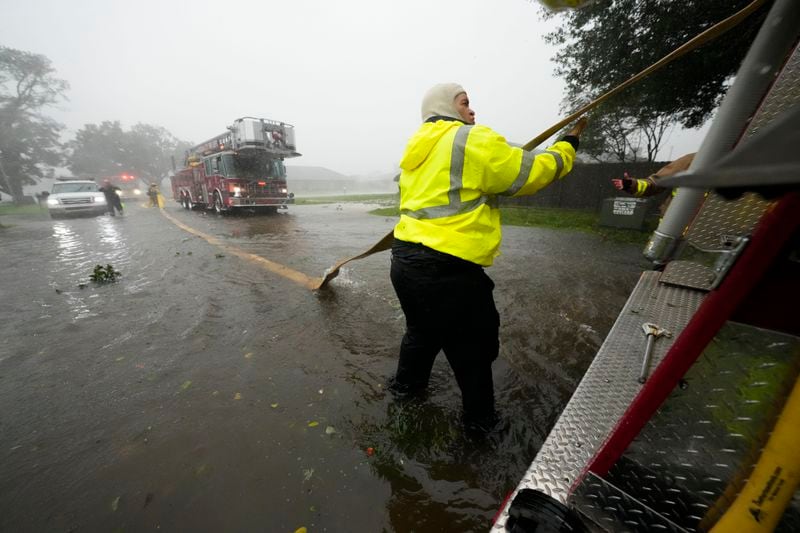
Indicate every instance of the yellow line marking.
{"type": "Point", "coordinates": [276, 268]}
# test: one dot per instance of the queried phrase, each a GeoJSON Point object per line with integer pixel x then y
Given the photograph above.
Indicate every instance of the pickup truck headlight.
{"type": "Point", "coordinates": [52, 201]}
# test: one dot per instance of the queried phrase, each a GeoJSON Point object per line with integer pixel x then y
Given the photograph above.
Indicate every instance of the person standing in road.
{"type": "Point", "coordinates": [112, 198]}
{"type": "Point", "coordinates": [452, 173]}
{"type": "Point", "coordinates": [42, 197]}
{"type": "Point", "coordinates": [152, 192]}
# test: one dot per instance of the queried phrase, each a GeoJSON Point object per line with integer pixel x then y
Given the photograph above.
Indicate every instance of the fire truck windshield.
{"type": "Point", "coordinates": [253, 166]}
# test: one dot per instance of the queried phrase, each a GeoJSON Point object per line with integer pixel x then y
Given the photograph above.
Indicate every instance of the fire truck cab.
{"type": "Point", "coordinates": [241, 169]}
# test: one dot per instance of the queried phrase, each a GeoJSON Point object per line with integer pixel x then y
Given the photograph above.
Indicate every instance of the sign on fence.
{"type": "Point", "coordinates": [622, 212]}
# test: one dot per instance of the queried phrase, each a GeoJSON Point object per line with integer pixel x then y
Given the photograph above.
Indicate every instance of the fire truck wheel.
{"type": "Point", "coordinates": [218, 203]}
{"type": "Point", "coordinates": [186, 201]}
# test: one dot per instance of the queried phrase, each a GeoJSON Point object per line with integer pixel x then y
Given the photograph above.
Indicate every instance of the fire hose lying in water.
{"type": "Point", "coordinates": [708, 35]}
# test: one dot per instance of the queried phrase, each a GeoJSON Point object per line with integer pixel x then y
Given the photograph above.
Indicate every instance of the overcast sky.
{"type": "Point", "coordinates": [349, 74]}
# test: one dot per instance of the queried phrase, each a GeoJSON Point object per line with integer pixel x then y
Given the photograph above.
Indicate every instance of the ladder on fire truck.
{"type": "Point", "coordinates": [250, 134]}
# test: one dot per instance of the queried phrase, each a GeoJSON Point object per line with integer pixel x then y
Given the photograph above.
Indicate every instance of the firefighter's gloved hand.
{"type": "Point", "coordinates": [578, 128]}
{"type": "Point", "coordinates": [626, 184]}
{"type": "Point", "coordinates": [573, 135]}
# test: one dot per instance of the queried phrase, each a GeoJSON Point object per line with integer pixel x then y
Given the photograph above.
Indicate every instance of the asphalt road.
{"type": "Point", "coordinates": [204, 391]}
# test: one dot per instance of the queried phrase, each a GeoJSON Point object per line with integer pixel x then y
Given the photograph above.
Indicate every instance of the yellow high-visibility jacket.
{"type": "Point", "coordinates": [451, 176]}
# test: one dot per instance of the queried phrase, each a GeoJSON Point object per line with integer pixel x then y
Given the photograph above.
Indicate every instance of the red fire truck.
{"type": "Point", "coordinates": [239, 170]}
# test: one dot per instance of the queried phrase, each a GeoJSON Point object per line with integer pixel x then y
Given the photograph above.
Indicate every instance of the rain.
{"type": "Point", "coordinates": [169, 364]}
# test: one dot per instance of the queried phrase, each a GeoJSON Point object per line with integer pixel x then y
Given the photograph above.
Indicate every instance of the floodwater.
{"type": "Point", "coordinates": [202, 392]}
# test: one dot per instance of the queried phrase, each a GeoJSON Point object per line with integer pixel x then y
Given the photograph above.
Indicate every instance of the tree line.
{"type": "Point", "coordinates": [608, 41]}
{"type": "Point", "coordinates": [30, 141]}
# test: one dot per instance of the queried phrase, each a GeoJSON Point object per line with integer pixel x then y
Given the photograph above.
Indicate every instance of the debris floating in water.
{"type": "Point", "coordinates": [104, 274]}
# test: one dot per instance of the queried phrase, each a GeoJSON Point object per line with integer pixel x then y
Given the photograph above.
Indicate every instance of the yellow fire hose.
{"type": "Point", "coordinates": [710, 34]}
{"type": "Point", "coordinates": [775, 478]}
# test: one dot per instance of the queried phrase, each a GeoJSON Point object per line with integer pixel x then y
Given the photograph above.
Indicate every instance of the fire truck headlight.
{"type": "Point", "coordinates": [237, 191]}
{"type": "Point", "coordinates": [119, 193]}
{"type": "Point", "coordinates": [137, 192]}
{"type": "Point", "coordinates": [284, 190]}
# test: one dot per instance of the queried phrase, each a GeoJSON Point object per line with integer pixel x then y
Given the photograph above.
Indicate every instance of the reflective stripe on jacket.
{"type": "Point", "coordinates": [451, 176]}
{"type": "Point", "coordinates": [645, 187]}
{"type": "Point", "coordinates": [648, 187]}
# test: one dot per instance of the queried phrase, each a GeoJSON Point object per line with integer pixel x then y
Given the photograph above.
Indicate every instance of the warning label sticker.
{"type": "Point", "coordinates": [623, 206]}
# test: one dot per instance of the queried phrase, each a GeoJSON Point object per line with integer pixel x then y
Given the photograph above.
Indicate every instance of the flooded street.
{"type": "Point", "coordinates": [203, 392]}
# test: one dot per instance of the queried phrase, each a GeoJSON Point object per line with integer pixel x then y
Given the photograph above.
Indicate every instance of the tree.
{"type": "Point", "coordinates": [151, 150]}
{"type": "Point", "coordinates": [625, 132]}
{"type": "Point", "coordinates": [29, 141]}
{"type": "Point", "coordinates": [106, 149]}
{"type": "Point", "coordinates": [609, 41]}
{"type": "Point", "coordinates": [610, 137]}
{"type": "Point", "coordinates": [98, 150]}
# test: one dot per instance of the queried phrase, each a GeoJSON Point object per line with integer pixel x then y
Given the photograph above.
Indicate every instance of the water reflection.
{"type": "Point", "coordinates": [78, 250]}
{"type": "Point", "coordinates": [433, 467]}
{"type": "Point", "coordinates": [71, 254]}
{"type": "Point", "coordinates": [109, 233]}
{"type": "Point", "coordinates": [68, 241]}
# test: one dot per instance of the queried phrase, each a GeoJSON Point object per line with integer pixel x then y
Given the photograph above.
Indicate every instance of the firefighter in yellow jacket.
{"type": "Point", "coordinates": [452, 173]}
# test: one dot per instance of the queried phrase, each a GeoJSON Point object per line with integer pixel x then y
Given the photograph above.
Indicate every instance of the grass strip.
{"type": "Point", "coordinates": [353, 198]}
{"type": "Point", "coordinates": [582, 220]}
{"type": "Point", "coordinates": [30, 209]}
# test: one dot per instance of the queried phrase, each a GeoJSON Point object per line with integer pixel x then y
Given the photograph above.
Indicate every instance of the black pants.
{"type": "Point", "coordinates": [114, 202]}
{"type": "Point", "coordinates": [448, 306]}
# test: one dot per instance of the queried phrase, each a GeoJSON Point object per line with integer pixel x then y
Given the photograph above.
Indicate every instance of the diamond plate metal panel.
{"type": "Point", "coordinates": [693, 456]}
{"type": "Point", "coordinates": [612, 509]}
{"type": "Point", "coordinates": [719, 219]}
{"type": "Point", "coordinates": [688, 274]}
{"type": "Point", "coordinates": [784, 94]}
{"type": "Point", "coordinates": [608, 386]}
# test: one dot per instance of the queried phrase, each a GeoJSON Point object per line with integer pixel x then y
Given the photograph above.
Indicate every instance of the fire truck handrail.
{"type": "Point", "coordinates": [267, 120]}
